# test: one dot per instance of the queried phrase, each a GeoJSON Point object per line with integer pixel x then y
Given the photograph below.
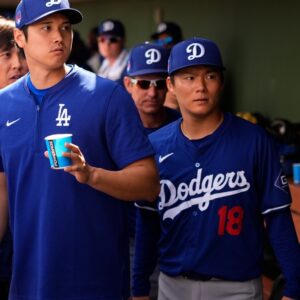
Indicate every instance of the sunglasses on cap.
{"type": "Point", "coordinates": [110, 39]}
{"type": "Point", "coordinates": [145, 84]}
{"type": "Point", "coordinates": [164, 41]}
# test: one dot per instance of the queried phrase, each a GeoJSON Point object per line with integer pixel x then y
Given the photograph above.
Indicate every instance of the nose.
{"type": "Point", "coordinates": [57, 36]}
{"type": "Point", "coordinates": [16, 61]}
{"type": "Point", "coordinates": [152, 91]}
{"type": "Point", "coordinates": [201, 83]}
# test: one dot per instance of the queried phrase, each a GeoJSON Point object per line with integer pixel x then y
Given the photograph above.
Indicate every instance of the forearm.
{"type": "Point", "coordinates": [3, 205]}
{"type": "Point", "coordinates": [137, 181]}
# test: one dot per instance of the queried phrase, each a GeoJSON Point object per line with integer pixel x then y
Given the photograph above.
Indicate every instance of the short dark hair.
{"type": "Point", "coordinates": [6, 34]}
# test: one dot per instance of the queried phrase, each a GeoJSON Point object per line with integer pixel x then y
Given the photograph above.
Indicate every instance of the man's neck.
{"type": "Point", "coordinates": [197, 128]}
{"type": "Point", "coordinates": [154, 120]}
{"type": "Point", "coordinates": [43, 79]}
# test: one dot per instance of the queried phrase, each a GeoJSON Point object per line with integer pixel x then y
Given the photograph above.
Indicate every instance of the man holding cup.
{"type": "Point", "coordinates": [67, 230]}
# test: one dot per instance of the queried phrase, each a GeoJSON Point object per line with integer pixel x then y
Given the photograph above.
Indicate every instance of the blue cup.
{"type": "Point", "coordinates": [296, 173]}
{"type": "Point", "coordinates": [56, 146]}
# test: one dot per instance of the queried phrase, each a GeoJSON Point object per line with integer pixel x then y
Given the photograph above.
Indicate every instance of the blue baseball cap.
{"type": "Point", "coordinates": [111, 27]}
{"type": "Point", "coordinates": [30, 11]}
{"type": "Point", "coordinates": [146, 59]}
{"type": "Point", "coordinates": [194, 52]}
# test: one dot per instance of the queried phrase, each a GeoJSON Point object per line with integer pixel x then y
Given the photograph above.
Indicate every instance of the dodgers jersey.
{"type": "Point", "coordinates": [69, 239]}
{"type": "Point", "coordinates": [214, 193]}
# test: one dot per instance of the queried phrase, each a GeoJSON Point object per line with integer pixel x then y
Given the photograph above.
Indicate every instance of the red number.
{"type": "Point", "coordinates": [230, 220]}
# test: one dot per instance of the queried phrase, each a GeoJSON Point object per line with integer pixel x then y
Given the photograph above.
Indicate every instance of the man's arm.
{"type": "Point", "coordinates": [138, 180]}
{"type": "Point", "coordinates": [3, 205]}
{"type": "Point", "coordinates": [147, 233]}
{"type": "Point", "coordinates": [283, 239]}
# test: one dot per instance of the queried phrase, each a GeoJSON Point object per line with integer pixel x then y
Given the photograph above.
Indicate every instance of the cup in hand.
{"type": "Point", "coordinates": [56, 146]}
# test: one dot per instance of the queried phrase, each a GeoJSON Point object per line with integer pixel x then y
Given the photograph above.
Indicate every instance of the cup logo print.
{"type": "Point", "coordinates": [52, 2]}
{"type": "Point", "coordinates": [53, 152]}
{"type": "Point", "coordinates": [197, 50]}
{"type": "Point", "coordinates": [153, 56]}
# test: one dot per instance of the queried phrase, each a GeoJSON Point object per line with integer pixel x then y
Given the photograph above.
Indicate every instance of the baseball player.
{"type": "Point", "coordinates": [67, 225]}
{"type": "Point", "coordinates": [146, 82]}
{"type": "Point", "coordinates": [221, 181]}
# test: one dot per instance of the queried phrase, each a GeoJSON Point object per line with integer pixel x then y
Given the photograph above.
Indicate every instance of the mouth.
{"type": "Point", "coordinates": [57, 50]}
{"type": "Point", "coordinates": [15, 76]}
{"type": "Point", "coordinates": [201, 100]}
{"type": "Point", "coordinates": [151, 103]}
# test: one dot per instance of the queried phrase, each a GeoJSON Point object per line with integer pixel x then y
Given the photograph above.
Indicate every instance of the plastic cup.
{"type": "Point", "coordinates": [296, 173]}
{"type": "Point", "coordinates": [56, 146]}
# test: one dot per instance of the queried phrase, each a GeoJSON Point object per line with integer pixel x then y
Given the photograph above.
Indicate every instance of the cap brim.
{"type": "Point", "coordinates": [73, 15]}
{"type": "Point", "coordinates": [149, 72]}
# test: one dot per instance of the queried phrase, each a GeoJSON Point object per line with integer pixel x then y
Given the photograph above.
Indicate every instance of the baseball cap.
{"type": "Point", "coordinates": [30, 11]}
{"type": "Point", "coordinates": [169, 28]}
{"type": "Point", "coordinates": [145, 59]}
{"type": "Point", "coordinates": [111, 27]}
{"type": "Point", "coordinates": [194, 52]}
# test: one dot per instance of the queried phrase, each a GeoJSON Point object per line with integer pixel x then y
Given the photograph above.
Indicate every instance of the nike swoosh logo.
{"type": "Point", "coordinates": [12, 122]}
{"type": "Point", "coordinates": [162, 158]}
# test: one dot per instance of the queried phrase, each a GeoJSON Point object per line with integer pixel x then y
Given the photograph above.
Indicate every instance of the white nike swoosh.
{"type": "Point", "coordinates": [12, 122]}
{"type": "Point", "coordinates": [162, 158]}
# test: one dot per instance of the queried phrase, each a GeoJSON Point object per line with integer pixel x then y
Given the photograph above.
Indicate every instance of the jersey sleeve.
{"type": "Point", "coordinates": [272, 184]}
{"type": "Point", "coordinates": [127, 140]}
{"type": "Point", "coordinates": [146, 250]}
{"type": "Point", "coordinates": [283, 238]}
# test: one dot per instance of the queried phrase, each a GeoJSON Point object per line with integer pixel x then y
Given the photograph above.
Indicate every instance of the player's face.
{"type": "Point", "coordinates": [149, 99]}
{"type": "Point", "coordinates": [12, 66]}
{"type": "Point", "coordinates": [110, 46]}
{"type": "Point", "coordinates": [48, 43]}
{"type": "Point", "coordinates": [198, 90]}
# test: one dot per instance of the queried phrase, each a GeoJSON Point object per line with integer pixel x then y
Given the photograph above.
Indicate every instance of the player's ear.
{"type": "Point", "coordinates": [19, 37]}
{"type": "Point", "coordinates": [127, 84]}
{"type": "Point", "coordinates": [170, 84]}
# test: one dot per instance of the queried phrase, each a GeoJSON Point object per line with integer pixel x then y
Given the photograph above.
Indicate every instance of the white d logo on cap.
{"type": "Point", "coordinates": [197, 50]}
{"type": "Point", "coordinates": [153, 55]}
{"type": "Point", "coordinates": [52, 2]}
{"type": "Point", "coordinates": [108, 25]}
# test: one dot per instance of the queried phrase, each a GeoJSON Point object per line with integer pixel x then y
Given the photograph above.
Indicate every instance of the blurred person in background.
{"type": "Point", "coordinates": [111, 44]}
{"type": "Point", "coordinates": [168, 34]}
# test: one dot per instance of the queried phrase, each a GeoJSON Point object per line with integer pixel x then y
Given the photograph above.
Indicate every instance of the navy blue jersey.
{"type": "Point", "coordinates": [214, 193]}
{"type": "Point", "coordinates": [68, 237]}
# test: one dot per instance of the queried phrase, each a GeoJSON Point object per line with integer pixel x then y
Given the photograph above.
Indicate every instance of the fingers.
{"type": "Point", "coordinates": [73, 148]}
{"type": "Point", "coordinates": [78, 160]}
